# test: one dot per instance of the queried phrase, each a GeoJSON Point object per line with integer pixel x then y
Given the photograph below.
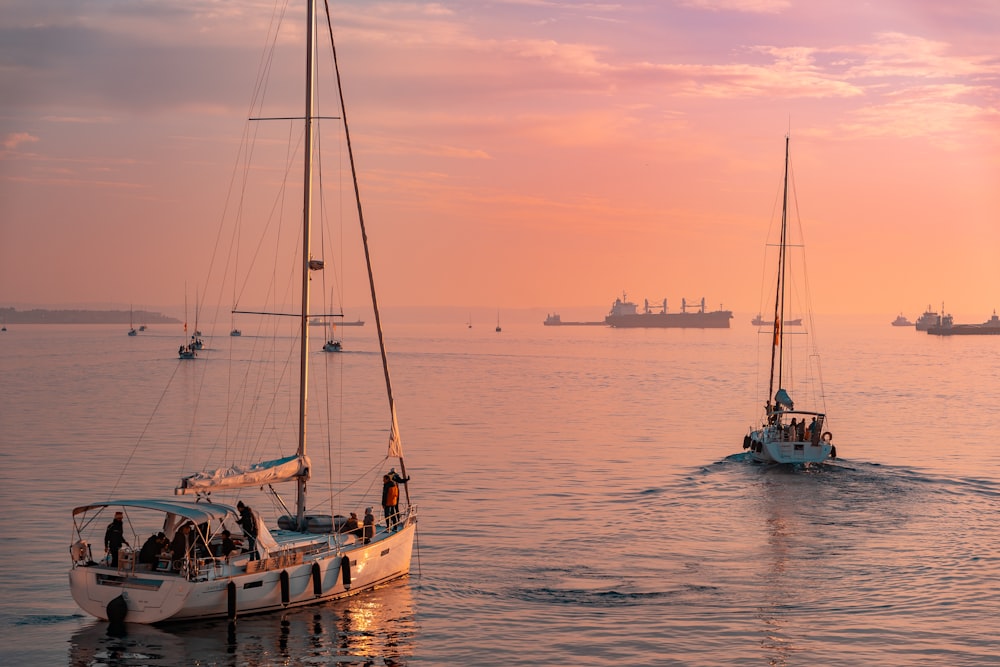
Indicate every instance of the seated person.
{"type": "Point", "coordinates": [228, 545]}
{"type": "Point", "coordinates": [151, 549]}
{"type": "Point", "coordinates": [352, 526]}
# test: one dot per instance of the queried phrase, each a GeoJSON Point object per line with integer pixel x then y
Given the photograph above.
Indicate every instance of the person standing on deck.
{"type": "Point", "coordinates": [114, 537]}
{"type": "Point", "coordinates": [368, 529]}
{"type": "Point", "coordinates": [390, 502]}
{"type": "Point", "coordinates": [248, 522]}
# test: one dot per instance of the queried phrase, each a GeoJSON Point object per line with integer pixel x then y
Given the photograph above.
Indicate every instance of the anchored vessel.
{"type": "Point", "coordinates": [990, 327]}
{"type": "Point", "coordinates": [928, 319]}
{"type": "Point", "coordinates": [783, 435]}
{"type": "Point", "coordinates": [553, 320]}
{"type": "Point", "coordinates": [626, 314]}
{"type": "Point", "coordinates": [308, 557]}
{"type": "Point", "coordinates": [760, 321]}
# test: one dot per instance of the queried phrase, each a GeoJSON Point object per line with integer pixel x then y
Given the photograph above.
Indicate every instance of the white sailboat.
{"type": "Point", "coordinates": [186, 350]}
{"type": "Point", "coordinates": [783, 435]}
{"type": "Point", "coordinates": [333, 344]}
{"type": "Point", "coordinates": [307, 557]}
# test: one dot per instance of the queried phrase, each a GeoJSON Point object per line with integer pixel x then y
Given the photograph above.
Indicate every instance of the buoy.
{"type": "Point", "coordinates": [284, 586]}
{"type": "Point", "coordinates": [345, 571]}
{"type": "Point", "coordinates": [231, 601]}
{"type": "Point", "coordinates": [317, 580]}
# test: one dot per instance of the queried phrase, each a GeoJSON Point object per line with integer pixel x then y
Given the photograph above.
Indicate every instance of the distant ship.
{"type": "Point", "coordinates": [760, 321]}
{"type": "Point", "coordinates": [928, 319]}
{"type": "Point", "coordinates": [990, 327]}
{"type": "Point", "coordinates": [553, 320]}
{"type": "Point", "coordinates": [901, 321]}
{"type": "Point", "coordinates": [625, 314]}
{"type": "Point", "coordinates": [321, 322]}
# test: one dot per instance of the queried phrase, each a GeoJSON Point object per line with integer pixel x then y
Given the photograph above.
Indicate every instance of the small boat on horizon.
{"type": "Point", "coordinates": [901, 321]}
{"type": "Point", "coordinates": [760, 321]}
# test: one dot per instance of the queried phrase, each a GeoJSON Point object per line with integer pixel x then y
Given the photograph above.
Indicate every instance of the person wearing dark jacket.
{"type": "Point", "coordinates": [248, 522]}
{"type": "Point", "coordinates": [352, 526]}
{"type": "Point", "coordinates": [151, 549]}
{"type": "Point", "coordinates": [183, 543]}
{"type": "Point", "coordinates": [114, 537]}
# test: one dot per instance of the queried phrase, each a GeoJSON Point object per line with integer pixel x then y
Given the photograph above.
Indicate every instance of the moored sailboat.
{"type": "Point", "coordinates": [309, 556]}
{"type": "Point", "coordinates": [783, 435]}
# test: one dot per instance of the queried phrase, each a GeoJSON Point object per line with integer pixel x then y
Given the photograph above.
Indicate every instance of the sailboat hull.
{"type": "Point", "coordinates": [768, 445]}
{"type": "Point", "coordinates": [157, 597]}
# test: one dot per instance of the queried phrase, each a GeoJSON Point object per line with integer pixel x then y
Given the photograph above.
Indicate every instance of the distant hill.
{"type": "Point", "coordinates": [42, 316]}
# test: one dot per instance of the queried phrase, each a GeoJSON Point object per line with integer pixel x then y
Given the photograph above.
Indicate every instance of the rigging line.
{"type": "Point", "coordinates": [145, 428]}
{"type": "Point", "coordinates": [256, 97]}
{"type": "Point", "coordinates": [368, 262]}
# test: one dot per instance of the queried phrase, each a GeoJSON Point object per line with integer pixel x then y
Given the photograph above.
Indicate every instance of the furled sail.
{"type": "Point", "coordinates": [395, 442]}
{"type": "Point", "coordinates": [782, 399]}
{"type": "Point", "coordinates": [257, 474]}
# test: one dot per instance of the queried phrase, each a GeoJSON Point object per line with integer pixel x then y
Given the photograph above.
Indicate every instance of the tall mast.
{"type": "Point", "coordinates": [300, 496]}
{"type": "Point", "coordinates": [777, 346]}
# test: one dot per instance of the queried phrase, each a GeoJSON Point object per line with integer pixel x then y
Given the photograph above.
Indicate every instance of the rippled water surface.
{"type": "Point", "coordinates": [583, 501]}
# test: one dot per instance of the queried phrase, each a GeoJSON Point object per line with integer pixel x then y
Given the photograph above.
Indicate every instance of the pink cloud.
{"type": "Point", "coordinates": [15, 139]}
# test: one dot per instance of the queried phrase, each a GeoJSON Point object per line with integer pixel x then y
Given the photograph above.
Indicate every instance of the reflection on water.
{"type": "Point", "coordinates": [376, 628]}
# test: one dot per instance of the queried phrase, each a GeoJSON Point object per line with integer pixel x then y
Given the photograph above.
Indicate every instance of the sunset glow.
{"type": "Point", "coordinates": [525, 153]}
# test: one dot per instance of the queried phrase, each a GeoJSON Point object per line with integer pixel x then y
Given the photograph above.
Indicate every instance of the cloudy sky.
{"type": "Point", "coordinates": [523, 153]}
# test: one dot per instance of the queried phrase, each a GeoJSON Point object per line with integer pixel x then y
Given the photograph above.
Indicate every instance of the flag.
{"type": "Point", "coordinates": [777, 330]}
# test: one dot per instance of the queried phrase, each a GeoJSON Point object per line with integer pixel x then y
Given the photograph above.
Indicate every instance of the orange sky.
{"type": "Point", "coordinates": [524, 153]}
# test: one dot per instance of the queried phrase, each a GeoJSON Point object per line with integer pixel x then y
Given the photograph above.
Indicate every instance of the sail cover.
{"type": "Point", "coordinates": [257, 474]}
{"type": "Point", "coordinates": [783, 399]}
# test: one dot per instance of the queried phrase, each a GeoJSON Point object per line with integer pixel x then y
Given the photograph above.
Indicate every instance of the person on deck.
{"type": "Point", "coordinates": [228, 545]}
{"type": "Point", "coordinates": [397, 478]}
{"type": "Point", "coordinates": [352, 526]}
{"type": "Point", "coordinates": [248, 522]}
{"type": "Point", "coordinates": [114, 537]}
{"type": "Point", "coordinates": [368, 531]}
{"type": "Point", "coordinates": [151, 549]}
{"type": "Point", "coordinates": [182, 544]}
{"type": "Point", "coordinates": [390, 502]}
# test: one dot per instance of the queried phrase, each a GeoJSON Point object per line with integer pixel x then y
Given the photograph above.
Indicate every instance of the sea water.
{"type": "Point", "coordinates": [583, 500]}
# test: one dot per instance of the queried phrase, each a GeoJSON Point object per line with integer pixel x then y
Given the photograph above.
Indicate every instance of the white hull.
{"type": "Point", "coordinates": [154, 597]}
{"type": "Point", "coordinates": [769, 446]}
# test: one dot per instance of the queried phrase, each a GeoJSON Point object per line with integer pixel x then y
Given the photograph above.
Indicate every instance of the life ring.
{"type": "Point", "coordinates": [827, 437]}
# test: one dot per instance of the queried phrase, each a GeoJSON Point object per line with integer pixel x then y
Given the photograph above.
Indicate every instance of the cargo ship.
{"type": "Point", "coordinates": [929, 319]}
{"type": "Point", "coordinates": [553, 320]}
{"type": "Point", "coordinates": [626, 314]}
{"type": "Point", "coordinates": [949, 328]}
{"type": "Point", "coordinates": [759, 321]}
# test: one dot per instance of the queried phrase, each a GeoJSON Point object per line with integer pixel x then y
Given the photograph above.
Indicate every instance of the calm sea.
{"type": "Point", "coordinates": [583, 501]}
